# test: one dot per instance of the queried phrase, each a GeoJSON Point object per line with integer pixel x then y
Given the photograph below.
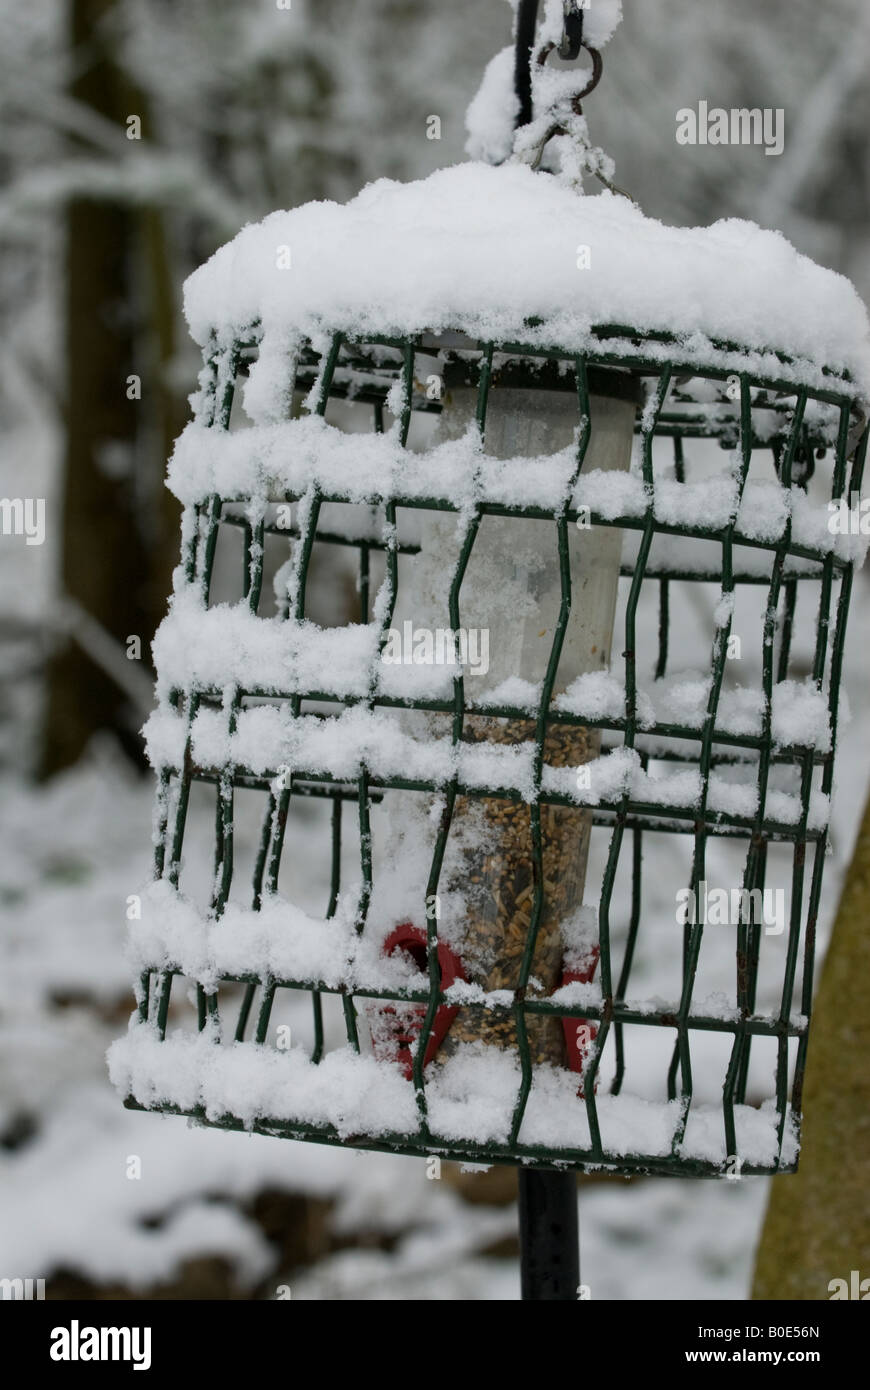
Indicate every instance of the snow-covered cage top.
{"type": "Point", "coordinates": [520, 736]}
{"type": "Point", "coordinates": [505, 255]}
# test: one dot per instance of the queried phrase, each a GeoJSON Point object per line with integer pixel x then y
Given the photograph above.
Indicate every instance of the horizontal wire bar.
{"type": "Point", "coordinates": [530, 1156]}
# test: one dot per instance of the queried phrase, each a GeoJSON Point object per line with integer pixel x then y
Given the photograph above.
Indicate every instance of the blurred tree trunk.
{"type": "Point", "coordinates": [117, 532]}
{"type": "Point", "coordinates": [818, 1222]}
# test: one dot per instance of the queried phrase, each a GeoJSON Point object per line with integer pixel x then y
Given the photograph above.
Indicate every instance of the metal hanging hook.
{"type": "Point", "coordinates": [594, 77]}
{"type": "Point", "coordinates": [569, 48]}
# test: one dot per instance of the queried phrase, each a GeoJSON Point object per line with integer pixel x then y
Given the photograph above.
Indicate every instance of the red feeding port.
{"type": "Point", "coordinates": [580, 1034]}
{"type": "Point", "coordinates": [397, 1028]}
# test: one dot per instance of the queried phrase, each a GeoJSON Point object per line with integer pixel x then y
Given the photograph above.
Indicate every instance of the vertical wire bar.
{"type": "Point", "coordinates": [649, 423]}
{"type": "Point", "coordinates": [628, 958]}
{"type": "Point", "coordinates": [365, 834]}
{"type": "Point", "coordinates": [216, 410]}
{"type": "Point", "coordinates": [247, 539]}
{"type": "Point", "coordinates": [664, 626]}
{"type": "Point", "coordinates": [256, 903]}
{"type": "Point", "coordinates": [268, 862]}
{"type": "Point", "coordinates": [364, 550]}
{"type": "Point", "coordinates": [254, 568]}
{"type": "Point", "coordinates": [208, 544]}
{"type": "Point", "coordinates": [664, 584]}
{"type": "Point", "coordinates": [226, 795]}
{"type": "Point", "coordinates": [799, 856]}
{"type": "Point", "coordinates": [752, 949]}
{"type": "Point", "coordinates": [385, 604]}
{"type": "Point", "coordinates": [310, 506]}
{"type": "Point", "coordinates": [245, 1011]}
{"type": "Point", "coordinates": [144, 996]}
{"type": "Point", "coordinates": [823, 624]}
{"type": "Point", "coordinates": [161, 1002]}
{"type": "Point", "coordinates": [679, 459]}
{"type": "Point", "coordinates": [757, 844]}
{"type": "Point", "coordinates": [164, 799]}
{"type": "Point", "coordinates": [749, 933]}
{"type": "Point", "coordinates": [190, 522]}
{"type": "Point", "coordinates": [205, 561]}
{"type": "Point", "coordinates": [823, 621]}
{"type": "Point", "coordinates": [786, 628]}
{"type": "Point", "coordinates": [161, 822]}
{"type": "Point", "coordinates": [699, 858]}
{"type": "Point", "coordinates": [198, 563]}
{"type": "Point", "coordinates": [538, 888]}
{"type": "Point", "coordinates": [265, 1013]}
{"type": "Point", "coordinates": [207, 1003]}
{"type": "Point", "coordinates": [458, 721]}
{"type": "Point", "coordinates": [269, 990]}
{"type": "Point", "coordinates": [334, 886]}
{"type": "Point", "coordinates": [835, 678]}
{"type": "Point", "coordinates": [268, 866]}
{"type": "Point", "coordinates": [313, 497]}
{"type": "Point", "coordinates": [364, 584]}
{"type": "Point", "coordinates": [794, 937]}
{"type": "Point", "coordinates": [183, 798]}
{"type": "Point", "coordinates": [278, 806]}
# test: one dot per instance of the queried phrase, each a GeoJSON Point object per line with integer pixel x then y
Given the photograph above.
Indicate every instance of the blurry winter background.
{"type": "Point", "coordinates": [245, 107]}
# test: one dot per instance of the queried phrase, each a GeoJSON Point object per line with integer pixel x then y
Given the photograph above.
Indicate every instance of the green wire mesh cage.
{"type": "Point", "coordinates": [673, 1085]}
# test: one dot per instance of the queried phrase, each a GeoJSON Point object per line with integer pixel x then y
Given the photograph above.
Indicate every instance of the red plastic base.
{"type": "Point", "coordinates": [400, 1041]}
{"type": "Point", "coordinates": [579, 1034]}
{"type": "Point", "coordinates": [396, 1040]}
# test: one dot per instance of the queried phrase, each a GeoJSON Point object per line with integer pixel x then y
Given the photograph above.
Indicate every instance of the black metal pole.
{"type": "Point", "coordinates": [549, 1237]}
{"type": "Point", "coordinates": [527, 19]}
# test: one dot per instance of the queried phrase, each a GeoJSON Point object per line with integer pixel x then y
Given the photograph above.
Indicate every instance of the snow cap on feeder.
{"type": "Point", "coordinates": [502, 255]}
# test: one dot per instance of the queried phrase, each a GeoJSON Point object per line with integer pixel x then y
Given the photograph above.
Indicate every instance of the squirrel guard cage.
{"type": "Point", "coordinates": [579, 728]}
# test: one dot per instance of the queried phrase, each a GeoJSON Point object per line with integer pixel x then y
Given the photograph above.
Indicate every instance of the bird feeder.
{"type": "Point", "coordinates": [549, 427]}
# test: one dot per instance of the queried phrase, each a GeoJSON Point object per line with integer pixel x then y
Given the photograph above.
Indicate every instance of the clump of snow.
{"type": "Point", "coordinates": [579, 934]}
{"type": "Point", "coordinates": [601, 19]}
{"type": "Point", "coordinates": [764, 511]}
{"type": "Point", "coordinates": [711, 500]}
{"type": "Point", "coordinates": [491, 116]}
{"type": "Point", "coordinates": [595, 695]}
{"type": "Point", "coordinates": [611, 494]}
{"type": "Point", "coordinates": [724, 610]}
{"type": "Point", "coordinates": [482, 250]}
{"type": "Point", "coordinates": [800, 717]}
{"type": "Point", "coordinates": [209, 648]}
{"type": "Point", "coordinates": [515, 692]}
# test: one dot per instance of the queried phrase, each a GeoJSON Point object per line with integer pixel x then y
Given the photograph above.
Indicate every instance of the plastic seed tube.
{"type": "Point", "coordinates": [509, 605]}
